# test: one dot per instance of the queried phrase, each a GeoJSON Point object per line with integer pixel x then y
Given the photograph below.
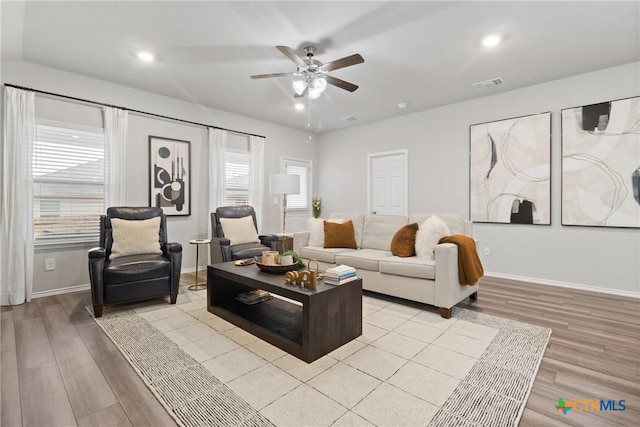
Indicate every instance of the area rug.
{"type": "Point", "coordinates": [409, 368]}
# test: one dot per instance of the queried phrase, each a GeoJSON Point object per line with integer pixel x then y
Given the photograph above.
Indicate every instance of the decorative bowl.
{"type": "Point", "coordinates": [275, 268]}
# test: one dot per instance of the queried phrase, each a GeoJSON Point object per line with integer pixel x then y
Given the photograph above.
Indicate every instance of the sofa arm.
{"type": "Point", "coordinates": [220, 250]}
{"type": "Point", "coordinates": [97, 257]}
{"type": "Point", "coordinates": [270, 240]}
{"type": "Point", "coordinates": [448, 290]}
{"type": "Point", "coordinates": [300, 240]}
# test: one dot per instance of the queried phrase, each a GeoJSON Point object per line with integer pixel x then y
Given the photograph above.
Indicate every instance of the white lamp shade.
{"type": "Point", "coordinates": [284, 183]}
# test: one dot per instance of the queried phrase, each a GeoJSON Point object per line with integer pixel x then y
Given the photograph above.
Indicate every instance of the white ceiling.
{"type": "Point", "coordinates": [426, 54]}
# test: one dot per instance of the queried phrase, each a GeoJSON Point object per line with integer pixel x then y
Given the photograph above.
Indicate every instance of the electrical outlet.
{"type": "Point", "coordinates": [49, 264]}
{"type": "Point", "coordinates": [487, 251]}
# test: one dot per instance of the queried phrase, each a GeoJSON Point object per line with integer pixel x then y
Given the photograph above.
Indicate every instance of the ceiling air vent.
{"type": "Point", "coordinates": [489, 83]}
{"type": "Point", "coordinates": [349, 119]}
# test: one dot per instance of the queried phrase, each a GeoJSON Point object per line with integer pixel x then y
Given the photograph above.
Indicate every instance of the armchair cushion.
{"type": "Point", "coordinates": [239, 230]}
{"type": "Point", "coordinates": [135, 268]}
{"type": "Point", "coordinates": [135, 237]}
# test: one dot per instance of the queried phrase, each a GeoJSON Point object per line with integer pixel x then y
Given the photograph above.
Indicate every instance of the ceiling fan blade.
{"type": "Point", "coordinates": [341, 83]}
{"type": "Point", "coordinates": [289, 53]}
{"type": "Point", "coordinates": [347, 61]}
{"type": "Point", "coordinates": [264, 76]}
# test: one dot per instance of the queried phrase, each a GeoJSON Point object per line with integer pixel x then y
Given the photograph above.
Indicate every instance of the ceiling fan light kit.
{"type": "Point", "coordinates": [314, 75]}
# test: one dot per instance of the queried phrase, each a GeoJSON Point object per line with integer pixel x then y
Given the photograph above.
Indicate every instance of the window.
{"type": "Point", "coordinates": [68, 183]}
{"type": "Point", "coordinates": [237, 176]}
{"type": "Point", "coordinates": [301, 168]}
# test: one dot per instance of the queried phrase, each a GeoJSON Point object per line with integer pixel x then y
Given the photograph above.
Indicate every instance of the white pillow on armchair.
{"type": "Point", "coordinates": [239, 230]}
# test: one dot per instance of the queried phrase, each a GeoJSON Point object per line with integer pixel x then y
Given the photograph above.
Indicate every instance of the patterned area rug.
{"type": "Point", "coordinates": [409, 368]}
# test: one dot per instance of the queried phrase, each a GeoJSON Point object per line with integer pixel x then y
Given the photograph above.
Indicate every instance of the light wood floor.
{"type": "Point", "coordinates": [59, 368]}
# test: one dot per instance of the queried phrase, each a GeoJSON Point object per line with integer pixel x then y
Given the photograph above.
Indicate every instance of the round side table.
{"type": "Point", "coordinates": [198, 242]}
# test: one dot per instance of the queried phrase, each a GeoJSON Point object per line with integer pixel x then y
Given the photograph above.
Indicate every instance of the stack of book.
{"type": "Point", "coordinates": [253, 297]}
{"type": "Point", "coordinates": [340, 275]}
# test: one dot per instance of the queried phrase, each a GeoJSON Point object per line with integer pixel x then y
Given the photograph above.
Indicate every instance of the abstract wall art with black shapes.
{"type": "Point", "coordinates": [510, 170]}
{"type": "Point", "coordinates": [601, 164]}
{"type": "Point", "coordinates": [170, 175]}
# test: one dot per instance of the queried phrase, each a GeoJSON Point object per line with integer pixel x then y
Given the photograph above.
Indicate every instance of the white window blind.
{"type": "Point", "coordinates": [237, 177]}
{"type": "Point", "coordinates": [68, 183]}
{"type": "Point", "coordinates": [302, 168]}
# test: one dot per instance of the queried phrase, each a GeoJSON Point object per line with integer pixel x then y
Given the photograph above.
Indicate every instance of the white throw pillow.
{"type": "Point", "coordinates": [429, 234]}
{"type": "Point", "coordinates": [239, 230]}
{"type": "Point", "coordinates": [316, 230]}
{"type": "Point", "coordinates": [135, 237]}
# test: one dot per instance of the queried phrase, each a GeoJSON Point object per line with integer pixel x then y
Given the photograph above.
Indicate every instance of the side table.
{"type": "Point", "coordinates": [285, 242]}
{"type": "Point", "coordinates": [198, 242]}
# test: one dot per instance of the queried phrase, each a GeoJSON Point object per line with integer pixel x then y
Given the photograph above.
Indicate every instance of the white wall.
{"type": "Point", "coordinates": [438, 144]}
{"type": "Point", "coordinates": [71, 264]}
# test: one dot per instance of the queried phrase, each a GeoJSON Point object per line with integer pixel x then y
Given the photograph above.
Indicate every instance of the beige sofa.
{"type": "Point", "coordinates": [426, 281]}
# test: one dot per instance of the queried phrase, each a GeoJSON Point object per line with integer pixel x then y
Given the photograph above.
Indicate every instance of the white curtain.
{"type": "Point", "coordinates": [217, 177]}
{"type": "Point", "coordinates": [256, 177]}
{"type": "Point", "coordinates": [16, 214]}
{"type": "Point", "coordinates": [115, 136]}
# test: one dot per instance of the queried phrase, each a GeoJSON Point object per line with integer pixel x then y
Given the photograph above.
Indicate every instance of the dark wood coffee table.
{"type": "Point", "coordinates": [318, 322]}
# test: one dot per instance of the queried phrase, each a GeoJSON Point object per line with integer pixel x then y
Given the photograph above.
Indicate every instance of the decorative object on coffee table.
{"type": "Point", "coordinates": [275, 268]}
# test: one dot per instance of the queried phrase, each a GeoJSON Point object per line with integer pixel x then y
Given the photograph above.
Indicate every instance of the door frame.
{"type": "Point", "coordinates": [404, 152]}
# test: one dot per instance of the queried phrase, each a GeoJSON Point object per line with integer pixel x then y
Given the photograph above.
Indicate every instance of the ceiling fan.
{"type": "Point", "coordinates": [313, 74]}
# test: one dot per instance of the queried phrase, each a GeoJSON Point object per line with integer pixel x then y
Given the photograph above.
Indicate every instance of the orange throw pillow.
{"type": "Point", "coordinates": [403, 243]}
{"type": "Point", "coordinates": [338, 235]}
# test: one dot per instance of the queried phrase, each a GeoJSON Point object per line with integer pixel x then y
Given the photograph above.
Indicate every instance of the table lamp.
{"type": "Point", "coordinates": [284, 183]}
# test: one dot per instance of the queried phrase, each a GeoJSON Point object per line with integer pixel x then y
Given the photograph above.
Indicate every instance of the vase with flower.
{"type": "Point", "coordinates": [316, 205]}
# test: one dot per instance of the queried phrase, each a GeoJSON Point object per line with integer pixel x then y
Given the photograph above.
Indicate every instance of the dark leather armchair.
{"type": "Point", "coordinates": [221, 248]}
{"type": "Point", "coordinates": [133, 277]}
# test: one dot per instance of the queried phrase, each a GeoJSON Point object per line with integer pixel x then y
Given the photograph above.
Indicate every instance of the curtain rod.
{"type": "Point", "coordinates": [128, 109]}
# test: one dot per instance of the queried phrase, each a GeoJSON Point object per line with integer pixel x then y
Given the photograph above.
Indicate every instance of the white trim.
{"type": "Point", "coordinates": [557, 283]}
{"type": "Point", "coordinates": [4, 299]}
{"type": "Point", "coordinates": [404, 152]}
{"type": "Point", "coordinates": [60, 291]}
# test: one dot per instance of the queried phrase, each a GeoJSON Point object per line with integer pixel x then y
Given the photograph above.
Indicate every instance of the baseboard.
{"type": "Point", "coordinates": [60, 291]}
{"type": "Point", "coordinates": [78, 288]}
{"type": "Point", "coordinates": [563, 284]}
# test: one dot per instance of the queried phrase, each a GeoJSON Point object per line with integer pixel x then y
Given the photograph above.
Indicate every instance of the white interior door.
{"type": "Point", "coordinates": [387, 183]}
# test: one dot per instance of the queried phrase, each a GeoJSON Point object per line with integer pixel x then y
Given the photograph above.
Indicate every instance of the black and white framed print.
{"type": "Point", "coordinates": [170, 175]}
{"type": "Point", "coordinates": [510, 170]}
{"type": "Point", "coordinates": [601, 164]}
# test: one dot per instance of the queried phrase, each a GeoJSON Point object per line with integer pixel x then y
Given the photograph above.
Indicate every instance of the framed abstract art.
{"type": "Point", "coordinates": [510, 170]}
{"type": "Point", "coordinates": [601, 164]}
{"type": "Point", "coordinates": [170, 175]}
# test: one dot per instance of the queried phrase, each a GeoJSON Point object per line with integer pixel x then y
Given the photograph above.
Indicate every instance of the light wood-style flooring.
{"type": "Point", "coordinates": [59, 368]}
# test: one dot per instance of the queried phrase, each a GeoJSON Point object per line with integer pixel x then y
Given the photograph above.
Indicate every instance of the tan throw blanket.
{"type": "Point", "coordinates": [469, 266]}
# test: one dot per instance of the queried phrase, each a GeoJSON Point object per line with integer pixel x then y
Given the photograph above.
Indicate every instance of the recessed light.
{"type": "Point", "coordinates": [75, 136]}
{"type": "Point", "coordinates": [491, 40]}
{"type": "Point", "coordinates": [299, 107]}
{"type": "Point", "coordinates": [146, 56]}
{"type": "Point", "coordinates": [402, 105]}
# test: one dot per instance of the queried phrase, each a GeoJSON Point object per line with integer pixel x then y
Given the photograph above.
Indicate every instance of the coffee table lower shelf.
{"type": "Point", "coordinates": [275, 321]}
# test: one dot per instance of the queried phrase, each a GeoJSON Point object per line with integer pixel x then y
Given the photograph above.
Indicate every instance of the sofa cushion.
{"type": "Point", "coordinates": [378, 230]}
{"type": "Point", "coordinates": [239, 230]}
{"type": "Point", "coordinates": [135, 237]}
{"type": "Point", "coordinates": [410, 267]}
{"type": "Point", "coordinates": [428, 236]}
{"type": "Point", "coordinates": [455, 222]}
{"type": "Point", "coordinates": [403, 243]}
{"type": "Point", "coordinates": [141, 267]}
{"type": "Point", "coordinates": [367, 259]}
{"type": "Point", "coordinates": [316, 230]}
{"type": "Point", "coordinates": [322, 254]}
{"type": "Point", "coordinates": [339, 235]}
{"type": "Point", "coordinates": [357, 218]}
